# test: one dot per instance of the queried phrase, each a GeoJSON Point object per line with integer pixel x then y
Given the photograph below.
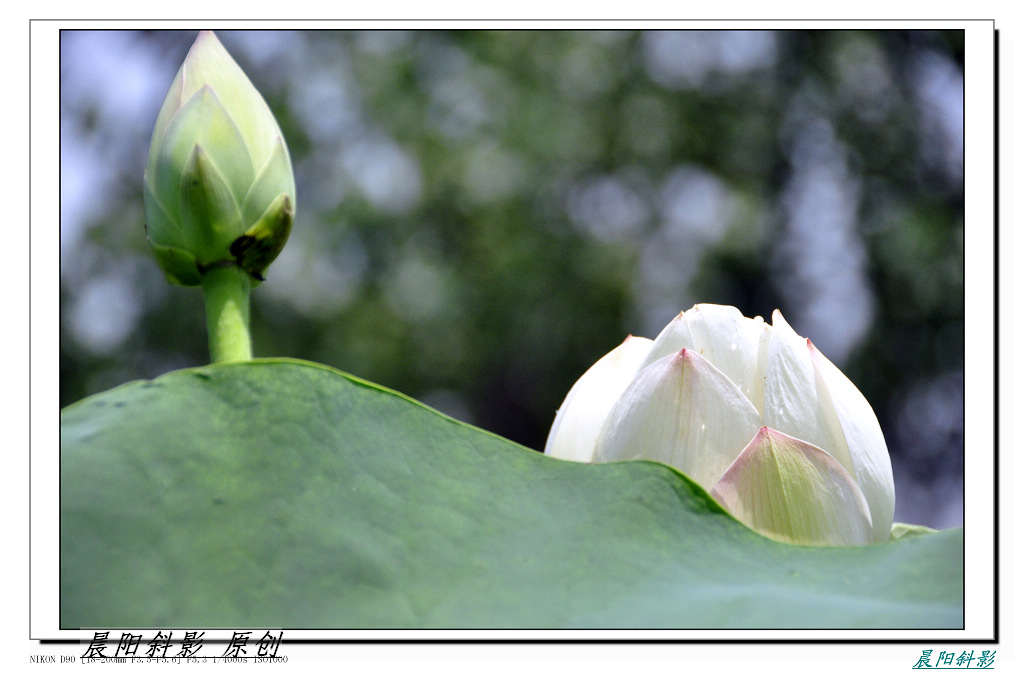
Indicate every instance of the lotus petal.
{"type": "Point", "coordinates": [574, 433]}
{"type": "Point", "coordinates": [683, 411]}
{"type": "Point", "coordinates": [733, 343]}
{"type": "Point", "coordinates": [792, 491]}
{"type": "Point", "coordinates": [863, 441]}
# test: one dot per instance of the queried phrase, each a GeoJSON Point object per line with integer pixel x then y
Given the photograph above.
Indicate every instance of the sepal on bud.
{"type": "Point", "coordinates": [262, 243]}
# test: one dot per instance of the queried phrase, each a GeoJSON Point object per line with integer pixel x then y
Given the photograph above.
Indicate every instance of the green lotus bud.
{"type": "Point", "coordinates": [219, 186]}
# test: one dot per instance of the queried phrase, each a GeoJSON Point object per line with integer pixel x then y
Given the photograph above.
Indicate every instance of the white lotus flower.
{"type": "Point", "coordinates": [752, 412]}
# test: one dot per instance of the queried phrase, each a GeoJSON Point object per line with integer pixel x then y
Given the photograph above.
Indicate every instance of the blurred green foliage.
{"type": "Point", "coordinates": [483, 214]}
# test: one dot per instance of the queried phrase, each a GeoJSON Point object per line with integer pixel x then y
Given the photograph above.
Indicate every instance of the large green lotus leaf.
{"type": "Point", "coordinates": [283, 494]}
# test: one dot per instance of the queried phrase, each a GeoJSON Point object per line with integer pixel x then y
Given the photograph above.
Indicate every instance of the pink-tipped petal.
{"type": "Point", "coordinates": [722, 335]}
{"type": "Point", "coordinates": [683, 411]}
{"type": "Point", "coordinates": [792, 491]}
{"type": "Point", "coordinates": [576, 427]}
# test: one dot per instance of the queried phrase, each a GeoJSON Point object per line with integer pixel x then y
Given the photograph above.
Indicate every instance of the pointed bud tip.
{"type": "Point", "coordinates": [205, 37]}
{"type": "Point", "coordinates": [767, 435]}
{"type": "Point", "coordinates": [689, 355]}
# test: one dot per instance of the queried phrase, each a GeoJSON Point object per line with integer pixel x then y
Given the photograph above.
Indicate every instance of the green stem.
{"type": "Point", "coordinates": [226, 295]}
